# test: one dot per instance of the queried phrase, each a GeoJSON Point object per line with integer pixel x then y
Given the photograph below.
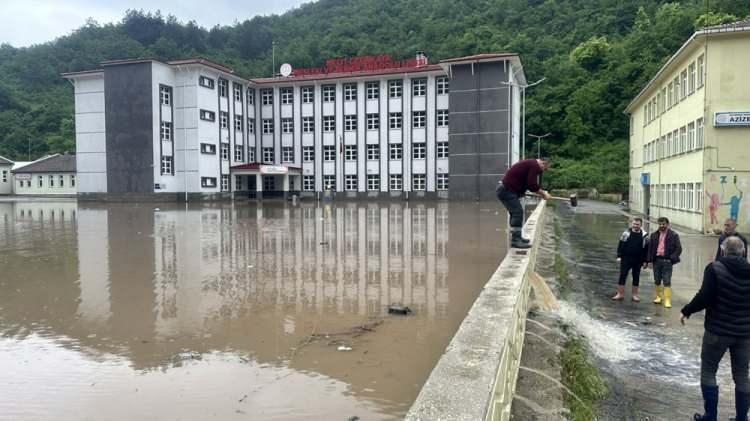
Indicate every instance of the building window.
{"type": "Point", "coordinates": [251, 154]}
{"type": "Point", "coordinates": [329, 182]}
{"type": "Point", "coordinates": [72, 181]}
{"type": "Point", "coordinates": [329, 123]}
{"type": "Point", "coordinates": [676, 142]}
{"type": "Point", "coordinates": [691, 136]}
{"type": "Point", "coordinates": [419, 150]}
{"type": "Point", "coordinates": [166, 165]}
{"type": "Point", "coordinates": [165, 95]}
{"type": "Point", "coordinates": [395, 88]}
{"type": "Point", "coordinates": [238, 153]}
{"type": "Point", "coordinates": [238, 182]}
{"type": "Point", "coordinates": [395, 120]}
{"type": "Point", "coordinates": [308, 95]}
{"type": "Point", "coordinates": [208, 115]}
{"type": "Point", "coordinates": [670, 97]}
{"type": "Point", "coordinates": [308, 124]}
{"type": "Point", "coordinates": [699, 197]}
{"type": "Point", "coordinates": [223, 119]}
{"type": "Point", "coordinates": [267, 126]}
{"type": "Point", "coordinates": [166, 131]}
{"type": "Point", "coordinates": [396, 182]}
{"type": "Point", "coordinates": [61, 180]}
{"type": "Point", "coordinates": [287, 125]}
{"type": "Point", "coordinates": [350, 152]}
{"type": "Point", "coordinates": [223, 87]}
{"type": "Point", "coordinates": [266, 96]}
{"type": "Point", "coordinates": [329, 93]}
{"type": "Point", "coordinates": [699, 133]}
{"type": "Point", "coordinates": [287, 154]}
{"type": "Point", "coordinates": [443, 86]}
{"type": "Point", "coordinates": [442, 181]}
{"type": "Point", "coordinates": [269, 183]}
{"type": "Point", "coordinates": [225, 182]}
{"type": "Point", "coordinates": [308, 182]}
{"type": "Point", "coordinates": [251, 125]}
{"type": "Point", "coordinates": [224, 151]}
{"type": "Point", "coordinates": [52, 181]}
{"type": "Point", "coordinates": [396, 151]}
{"type": "Point", "coordinates": [373, 182]}
{"type": "Point", "coordinates": [683, 84]}
{"type": "Point", "coordinates": [329, 153]}
{"type": "Point", "coordinates": [676, 87]}
{"type": "Point", "coordinates": [238, 123]}
{"type": "Point", "coordinates": [683, 139]}
{"type": "Point", "coordinates": [350, 92]}
{"type": "Point", "coordinates": [419, 182]}
{"type": "Point", "coordinates": [442, 118]}
{"type": "Point", "coordinates": [350, 182]}
{"type": "Point", "coordinates": [442, 149]}
{"type": "Point", "coordinates": [206, 82]}
{"type": "Point", "coordinates": [250, 96]}
{"type": "Point", "coordinates": [308, 153]}
{"type": "Point", "coordinates": [268, 155]}
{"type": "Point", "coordinates": [5, 176]}
{"type": "Point", "coordinates": [700, 71]}
{"type": "Point", "coordinates": [373, 152]}
{"type": "Point", "coordinates": [208, 181]}
{"type": "Point", "coordinates": [373, 90]}
{"type": "Point", "coordinates": [419, 87]}
{"type": "Point", "coordinates": [237, 92]}
{"type": "Point", "coordinates": [350, 123]}
{"type": "Point", "coordinates": [373, 121]}
{"type": "Point", "coordinates": [418, 119]}
{"type": "Point", "coordinates": [287, 96]}
{"type": "Point", "coordinates": [207, 148]}
{"type": "Point", "coordinates": [691, 82]}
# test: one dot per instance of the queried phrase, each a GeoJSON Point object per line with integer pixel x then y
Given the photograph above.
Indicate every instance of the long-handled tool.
{"type": "Point", "coordinates": [573, 199]}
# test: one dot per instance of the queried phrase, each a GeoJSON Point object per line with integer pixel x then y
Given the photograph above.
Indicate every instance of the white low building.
{"type": "Point", "coordinates": [54, 175]}
{"type": "Point", "coordinates": [6, 178]}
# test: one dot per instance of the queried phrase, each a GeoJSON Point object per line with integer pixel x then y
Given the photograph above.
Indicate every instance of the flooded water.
{"type": "Point", "coordinates": [162, 311]}
{"type": "Point", "coordinates": [650, 360]}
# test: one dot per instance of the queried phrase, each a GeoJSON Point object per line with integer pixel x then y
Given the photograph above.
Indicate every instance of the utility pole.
{"type": "Point", "coordinates": [539, 143]}
{"type": "Point", "coordinates": [273, 58]}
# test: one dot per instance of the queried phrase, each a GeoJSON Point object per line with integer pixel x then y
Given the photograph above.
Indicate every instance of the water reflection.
{"type": "Point", "coordinates": [153, 286]}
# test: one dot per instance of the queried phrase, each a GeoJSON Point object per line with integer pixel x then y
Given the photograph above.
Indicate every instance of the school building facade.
{"type": "Point", "coordinates": [689, 133]}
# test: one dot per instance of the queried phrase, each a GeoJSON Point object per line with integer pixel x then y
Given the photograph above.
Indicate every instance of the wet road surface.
{"type": "Point", "coordinates": [651, 361]}
{"type": "Point", "coordinates": [161, 311]}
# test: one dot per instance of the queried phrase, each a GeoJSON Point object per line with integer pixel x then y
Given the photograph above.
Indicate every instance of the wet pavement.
{"type": "Point", "coordinates": [232, 311]}
{"type": "Point", "coordinates": [651, 362]}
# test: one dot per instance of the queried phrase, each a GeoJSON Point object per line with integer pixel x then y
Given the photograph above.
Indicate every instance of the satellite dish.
{"type": "Point", "coordinates": [286, 69]}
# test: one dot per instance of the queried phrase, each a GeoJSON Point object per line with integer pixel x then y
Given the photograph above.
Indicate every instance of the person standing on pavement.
{"type": "Point", "coordinates": [730, 230]}
{"type": "Point", "coordinates": [521, 177]}
{"type": "Point", "coordinates": [724, 294]}
{"type": "Point", "coordinates": [664, 250]}
{"type": "Point", "coordinates": [631, 253]}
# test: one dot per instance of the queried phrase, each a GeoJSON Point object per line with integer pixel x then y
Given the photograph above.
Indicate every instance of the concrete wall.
{"type": "Point", "coordinates": [6, 179]}
{"type": "Point", "coordinates": [91, 143]}
{"type": "Point", "coordinates": [129, 127]}
{"type": "Point", "coordinates": [476, 377]}
{"type": "Point", "coordinates": [479, 129]}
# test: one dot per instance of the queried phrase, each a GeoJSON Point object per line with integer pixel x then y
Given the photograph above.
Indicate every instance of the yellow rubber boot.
{"type": "Point", "coordinates": [667, 297]}
{"type": "Point", "coordinates": [658, 292]}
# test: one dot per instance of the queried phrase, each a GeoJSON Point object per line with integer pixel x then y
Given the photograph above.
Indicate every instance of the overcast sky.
{"type": "Point", "coordinates": [27, 22]}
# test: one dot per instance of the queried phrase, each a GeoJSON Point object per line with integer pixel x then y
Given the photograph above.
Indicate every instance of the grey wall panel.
{"type": "Point", "coordinates": [464, 164]}
{"type": "Point", "coordinates": [463, 145]}
{"type": "Point", "coordinates": [464, 123]}
{"type": "Point", "coordinates": [493, 122]}
{"type": "Point", "coordinates": [491, 142]}
{"type": "Point", "coordinates": [129, 125]}
{"type": "Point", "coordinates": [463, 187]}
{"type": "Point", "coordinates": [494, 99]}
{"type": "Point", "coordinates": [493, 163]}
{"type": "Point", "coordinates": [492, 74]}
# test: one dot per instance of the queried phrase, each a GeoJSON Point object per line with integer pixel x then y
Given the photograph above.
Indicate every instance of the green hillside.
{"type": "Point", "coordinates": [595, 55]}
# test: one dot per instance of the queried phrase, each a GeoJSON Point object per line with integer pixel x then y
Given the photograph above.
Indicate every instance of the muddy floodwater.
{"type": "Point", "coordinates": [232, 311]}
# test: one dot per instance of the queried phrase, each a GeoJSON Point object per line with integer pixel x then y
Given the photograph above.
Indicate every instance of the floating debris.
{"type": "Point", "coordinates": [398, 309]}
{"type": "Point", "coordinates": [344, 348]}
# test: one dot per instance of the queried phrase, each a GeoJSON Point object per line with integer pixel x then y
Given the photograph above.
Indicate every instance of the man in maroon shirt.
{"type": "Point", "coordinates": [522, 176]}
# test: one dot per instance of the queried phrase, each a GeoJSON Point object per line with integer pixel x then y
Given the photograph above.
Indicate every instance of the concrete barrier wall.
{"type": "Point", "coordinates": [476, 377]}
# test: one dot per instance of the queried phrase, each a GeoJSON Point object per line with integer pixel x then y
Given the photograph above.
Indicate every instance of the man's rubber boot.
{"type": "Point", "coordinates": [658, 292]}
{"type": "Point", "coordinates": [516, 241]}
{"type": "Point", "coordinates": [620, 293]}
{"type": "Point", "coordinates": [667, 297]}
{"type": "Point", "coordinates": [634, 295]}
{"type": "Point", "coordinates": [710, 404]}
{"type": "Point", "coordinates": [741, 404]}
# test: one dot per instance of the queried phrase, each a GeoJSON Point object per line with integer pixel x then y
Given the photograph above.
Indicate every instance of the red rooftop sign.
{"type": "Point", "coordinates": [360, 64]}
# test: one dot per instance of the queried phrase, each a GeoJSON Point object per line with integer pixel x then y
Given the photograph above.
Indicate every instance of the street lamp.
{"type": "Point", "coordinates": [523, 114]}
{"type": "Point", "coordinates": [539, 143]}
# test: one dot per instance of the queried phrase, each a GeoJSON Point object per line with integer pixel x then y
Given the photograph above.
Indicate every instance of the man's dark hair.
{"type": "Point", "coordinates": [545, 159]}
{"type": "Point", "coordinates": [638, 219]}
{"type": "Point", "coordinates": [663, 219]}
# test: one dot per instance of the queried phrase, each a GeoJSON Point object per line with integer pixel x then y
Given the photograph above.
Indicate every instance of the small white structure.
{"type": "Point", "coordinates": [6, 178]}
{"type": "Point", "coordinates": [53, 175]}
